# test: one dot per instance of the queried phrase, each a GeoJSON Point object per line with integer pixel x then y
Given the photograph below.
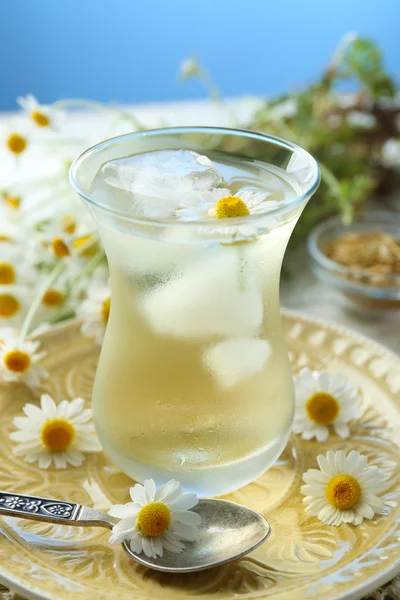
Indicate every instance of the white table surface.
{"type": "Point", "coordinates": [301, 291]}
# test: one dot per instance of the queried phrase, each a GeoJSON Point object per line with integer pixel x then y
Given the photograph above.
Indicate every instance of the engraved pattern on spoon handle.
{"type": "Point", "coordinates": [52, 511]}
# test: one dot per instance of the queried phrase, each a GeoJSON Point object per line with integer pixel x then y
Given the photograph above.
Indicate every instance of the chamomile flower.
{"type": "Point", "coordinates": [41, 115]}
{"type": "Point", "coordinates": [95, 310]}
{"type": "Point", "coordinates": [64, 239]}
{"type": "Point", "coordinates": [58, 434]}
{"type": "Point", "coordinates": [18, 360]}
{"type": "Point", "coordinates": [15, 267]}
{"type": "Point", "coordinates": [344, 489]}
{"type": "Point", "coordinates": [156, 519]}
{"type": "Point", "coordinates": [16, 142]}
{"type": "Point", "coordinates": [14, 302]}
{"type": "Point", "coordinates": [220, 203]}
{"type": "Point", "coordinates": [323, 401]}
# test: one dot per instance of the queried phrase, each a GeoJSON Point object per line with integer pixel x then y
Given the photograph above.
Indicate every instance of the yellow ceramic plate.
{"type": "Point", "coordinates": [302, 559]}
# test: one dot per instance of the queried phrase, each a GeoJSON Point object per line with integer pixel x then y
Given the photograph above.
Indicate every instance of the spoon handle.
{"type": "Point", "coordinates": [52, 511]}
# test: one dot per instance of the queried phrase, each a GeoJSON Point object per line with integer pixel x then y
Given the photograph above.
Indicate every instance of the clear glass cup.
{"type": "Point", "coordinates": [194, 380]}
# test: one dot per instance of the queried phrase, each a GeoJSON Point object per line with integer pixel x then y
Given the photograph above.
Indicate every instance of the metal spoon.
{"type": "Point", "coordinates": [227, 530]}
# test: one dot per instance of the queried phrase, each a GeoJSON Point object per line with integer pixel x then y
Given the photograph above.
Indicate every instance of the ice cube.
{"type": "Point", "coordinates": [157, 180]}
{"type": "Point", "coordinates": [235, 360]}
{"type": "Point", "coordinates": [212, 297]}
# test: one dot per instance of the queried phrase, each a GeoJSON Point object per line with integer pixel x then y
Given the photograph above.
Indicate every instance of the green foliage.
{"type": "Point", "coordinates": [345, 133]}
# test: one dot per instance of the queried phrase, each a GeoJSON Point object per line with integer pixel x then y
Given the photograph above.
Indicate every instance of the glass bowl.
{"type": "Point", "coordinates": [378, 292]}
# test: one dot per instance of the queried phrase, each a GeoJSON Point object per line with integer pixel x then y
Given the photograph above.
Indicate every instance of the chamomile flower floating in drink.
{"type": "Point", "coordinates": [221, 203]}
{"type": "Point", "coordinates": [43, 116]}
{"type": "Point", "coordinates": [95, 310]}
{"type": "Point", "coordinates": [19, 360]}
{"type": "Point", "coordinates": [55, 434]}
{"type": "Point", "coordinates": [323, 401]}
{"type": "Point", "coordinates": [156, 519]}
{"type": "Point", "coordinates": [344, 489]}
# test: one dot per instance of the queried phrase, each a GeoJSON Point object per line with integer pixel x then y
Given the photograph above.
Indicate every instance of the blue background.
{"type": "Point", "coordinates": [130, 50]}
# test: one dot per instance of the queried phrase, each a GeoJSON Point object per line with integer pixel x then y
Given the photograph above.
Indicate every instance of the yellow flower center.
{"type": "Point", "coordinates": [40, 119]}
{"type": "Point", "coordinates": [12, 201]}
{"type": "Point", "coordinates": [343, 491]}
{"type": "Point", "coordinates": [17, 361]}
{"type": "Point", "coordinates": [52, 298]}
{"type": "Point", "coordinates": [88, 245]}
{"type": "Point", "coordinates": [322, 408]}
{"type": "Point", "coordinates": [57, 435]}
{"type": "Point", "coordinates": [105, 310]}
{"type": "Point", "coordinates": [59, 247]}
{"type": "Point", "coordinates": [7, 274]}
{"type": "Point", "coordinates": [4, 238]}
{"type": "Point", "coordinates": [153, 519]}
{"type": "Point", "coordinates": [9, 305]}
{"type": "Point", "coordinates": [68, 224]}
{"type": "Point", "coordinates": [229, 207]}
{"type": "Point", "coordinates": [16, 143]}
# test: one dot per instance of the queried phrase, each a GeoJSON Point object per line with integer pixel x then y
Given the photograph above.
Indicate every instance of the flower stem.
{"type": "Point", "coordinates": [38, 298]}
{"type": "Point", "coordinates": [89, 267]}
{"type": "Point", "coordinates": [77, 103]}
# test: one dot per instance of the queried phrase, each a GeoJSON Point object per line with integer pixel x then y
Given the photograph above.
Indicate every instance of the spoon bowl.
{"type": "Point", "coordinates": [227, 531]}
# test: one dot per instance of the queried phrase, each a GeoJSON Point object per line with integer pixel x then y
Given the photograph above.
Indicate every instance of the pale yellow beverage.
{"type": "Point", "coordinates": [194, 380]}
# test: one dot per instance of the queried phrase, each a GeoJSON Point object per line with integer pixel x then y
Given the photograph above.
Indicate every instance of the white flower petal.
{"type": "Point", "coordinates": [45, 459]}
{"type": "Point", "coordinates": [138, 494]}
{"type": "Point", "coordinates": [48, 406]}
{"type": "Point", "coordinates": [364, 510]}
{"type": "Point", "coordinates": [147, 547]}
{"type": "Point", "coordinates": [136, 543]}
{"type": "Point", "coordinates": [165, 491]}
{"type": "Point", "coordinates": [186, 517]}
{"type": "Point", "coordinates": [322, 433]}
{"type": "Point", "coordinates": [157, 546]}
{"type": "Point", "coordinates": [150, 490]}
{"type": "Point", "coordinates": [183, 502]}
{"type": "Point", "coordinates": [172, 544]}
{"type": "Point", "coordinates": [342, 430]}
{"type": "Point", "coordinates": [187, 533]}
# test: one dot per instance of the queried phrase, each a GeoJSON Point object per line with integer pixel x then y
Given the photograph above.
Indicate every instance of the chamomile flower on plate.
{"type": "Point", "coordinates": [58, 434]}
{"type": "Point", "coordinates": [19, 359]}
{"type": "Point", "coordinates": [95, 310]}
{"type": "Point", "coordinates": [156, 519]}
{"type": "Point", "coordinates": [41, 115]}
{"type": "Point", "coordinates": [324, 401]}
{"type": "Point", "coordinates": [344, 489]}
